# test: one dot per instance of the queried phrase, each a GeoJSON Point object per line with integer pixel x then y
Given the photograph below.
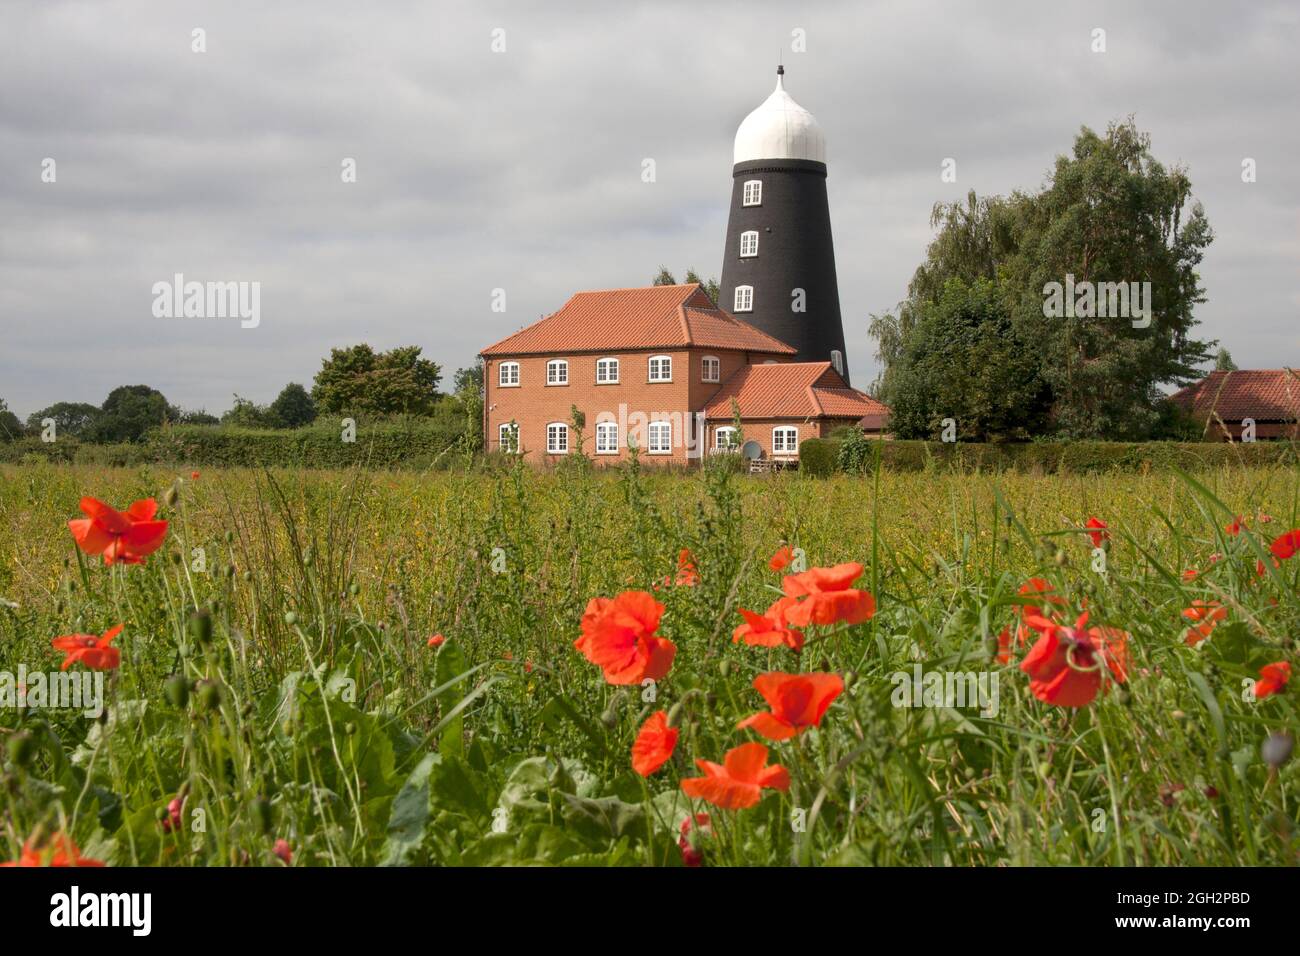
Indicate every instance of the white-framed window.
{"type": "Point", "coordinates": [753, 192]}
{"type": "Point", "coordinates": [607, 371]}
{"type": "Point", "coordinates": [785, 440]}
{"type": "Point", "coordinates": [661, 438]}
{"type": "Point", "coordinates": [661, 368]}
{"type": "Point", "coordinates": [557, 438]}
{"type": "Point", "coordinates": [557, 372]}
{"type": "Point", "coordinates": [710, 368]}
{"type": "Point", "coordinates": [508, 436]}
{"type": "Point", "coordinates": [724, 438]}
{"type": "Point", "coordinates": [508, 375]}
{"type": "Point", "coordinates": [748, 244]}
{"type": "Point", "coordinates": [606, 438]}
{"type": "Point", "coordinates": [744, 299]}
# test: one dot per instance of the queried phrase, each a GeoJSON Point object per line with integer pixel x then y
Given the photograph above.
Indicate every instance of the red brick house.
{"type": "Point", "coordinates": [657, 367]}
{"type": "Point", "coordinates": [1225, 401]}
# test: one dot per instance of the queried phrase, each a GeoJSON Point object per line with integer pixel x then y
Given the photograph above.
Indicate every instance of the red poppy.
{"type": "Point", "coordinates": [737, 782]}
{"type": "Point", "coordinates": [282, 850]}
{"type": "Point", "coordinates": [1208, 614]}
{"type": "Point", "coordinates": [121, 537]}
{"type": "Point", "coordinates": [654, 744]}
{"type": "Point", "coordinates": [1233, 527]}
{"type": "Point", "coordinates": [687, 574]}
{"type": "Point", "coordinates": [781, 560]}
{"type": "Point", "coordinates": [437, 640]}
{"type": "Point", "coordinates": [1272, 678]}
{"type": "Point", "coordinates": [798, 701]}
{"type": "Point", "coordinates": [1286, 545]}
{"type": "Point", "coordinates": [194, 476]}
{"type": "Point", "coordinates": [1064, 666]}
{"type": "Point", "coordinates": [1190, 574]}
{"type": "Point", "coordinates": [618, 636]}
{"type": "Point", "coordinates": [827, 597]}
{"type": "Point", "coordinates": [1004, 645]}
{"type": "Point", "coordinates": [694, 831]}
{"type": "Point", "coordinates": [1023, 633]}
{"type": "Point", "coordinates": [92, 651]}
{"type": "Point", "coordinates": [60, 851]}
{"type": "Point", "coordinates": [173, 819]}
{"type": "Point", "coordinates": [1099, 532]}
{"type": "Point", "coordinates": [769, 629]}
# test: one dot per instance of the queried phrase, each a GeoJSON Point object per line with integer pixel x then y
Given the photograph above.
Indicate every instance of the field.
{"type": "Point", "coordinates": [304, 716]}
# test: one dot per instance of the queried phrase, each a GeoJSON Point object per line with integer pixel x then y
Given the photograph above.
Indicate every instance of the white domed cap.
{"type": "Point", "coordinates": [780, 129]}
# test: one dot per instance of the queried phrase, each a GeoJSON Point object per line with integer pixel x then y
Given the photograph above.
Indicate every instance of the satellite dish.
{"type": "Point", "coordinates": [752, 450]}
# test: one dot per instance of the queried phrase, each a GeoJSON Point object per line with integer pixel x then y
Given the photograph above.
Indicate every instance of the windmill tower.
{"type": "Point", "coordinates": [778, 269]}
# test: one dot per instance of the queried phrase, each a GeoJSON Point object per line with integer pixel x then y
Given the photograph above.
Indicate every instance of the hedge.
{"type": "Point", "coordinates": [821, 456]}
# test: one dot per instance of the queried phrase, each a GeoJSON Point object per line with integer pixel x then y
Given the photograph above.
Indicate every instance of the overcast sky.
{"type": "Point", "coordinates": [521, 170]}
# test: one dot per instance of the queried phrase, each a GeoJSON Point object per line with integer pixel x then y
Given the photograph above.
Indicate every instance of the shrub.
{"type": "Point", "coordinates": [819, 457]}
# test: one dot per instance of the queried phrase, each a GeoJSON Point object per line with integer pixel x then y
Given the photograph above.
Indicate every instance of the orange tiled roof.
{"type": "Point", "coordinates": [653, 317]}
{"type": "Point", "coordinates": [1266, 395]}
{"type": "Point", "coordinates": [791, 390]}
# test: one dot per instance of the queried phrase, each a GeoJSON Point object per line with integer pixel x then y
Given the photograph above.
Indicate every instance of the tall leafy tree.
{"type": "Point", "coordinates": [361, 380]}
{"type": "Point", "coordinates": [293, 407]}
{"type": "Point", "coordinates": [1223, 361]}
{"type": "Point", "coordinates": [129, 412]}
{"type": "Point", "coordinates": [10, 427]}
{"type": "Point", "coordinates": [71, 419]}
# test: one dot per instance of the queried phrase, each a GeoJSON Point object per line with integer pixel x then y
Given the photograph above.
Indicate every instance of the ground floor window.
{"type": "Point", "coordinates": [557, 438]}
{"type": "Point", "coordinates": [508, 437]}
{"type": "Point", "coordinates": [785, 440]}
{"type": "Point", "coordinates": [606, 438]}
{"type": "Point", "coordinates": [724, 439]}
{"type": "Point", "coordinates": [661, 438]}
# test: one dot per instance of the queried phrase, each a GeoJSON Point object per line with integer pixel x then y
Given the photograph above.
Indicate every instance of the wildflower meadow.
{"type": "Point", "coordinates": [639, 668]}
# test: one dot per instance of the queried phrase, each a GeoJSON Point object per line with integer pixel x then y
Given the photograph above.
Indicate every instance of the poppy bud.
{"type": "Point", "coordinates": [1276, 749]}
{"type": "Point", "coordinates": [59, 606]}
{"type": "Point", "coordinates": [849, 678]}
{"type": "Point", "coordinates": [169, 499]}
{"type": "Point", "coordinates": [230, 570]}
{"type": "Point", "coordinates": [725, 668]}
{"type": "Point", "coordinates": [290, 618]}
{"type": "Point", "coordinates": [610, 717]}
{"type": "Point", "coordinates": [160, 813]}
{"type": "Point", "coordinates": [1060, 558]}
{"type": "Point", "coordinates": [248, 576]}
{"type": "Point", "coordinates": [209, 695]}
{"type": "Point", "coordinates": [201, 626]}
{"type": "Point", "coordinates": [177, 690]}
{"type": "Point", "coordinates": [230, 537]}
{"type": "Point", "coordinates": [22, 748]}
{"type": "Point", "coordinates": [674, 714]}
{"type": "Point", "coordinates": [350, 729]}
{"type": "Point", "coordinates": [174, 557]}
{"type": "Point", "coordinates": [262, 814]}
{"type": "Point", "coordinates": [308, 555]}
{"type": "Point", "coordinates": [354, 589]}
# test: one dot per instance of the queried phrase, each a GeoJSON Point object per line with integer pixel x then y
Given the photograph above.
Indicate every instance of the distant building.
{"type": "Point", "coordinates": [1225, 401]}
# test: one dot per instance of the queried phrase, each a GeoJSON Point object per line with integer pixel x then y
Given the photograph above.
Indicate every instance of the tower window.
{"type": "Point", "coordinates": [744, 299]}
{"type": "Point", "coordinates": [710, 368]}
{"type": "Point", "coordinates": [607, 371]}
{"type": "Point", "coordinates": [749, 244]}
{"type": "Point", "coordinates": [557, 438]}
{"type": "Point", "coordinates": [753, 192]}
{"type": "Point", "coordinates": [661, 368]}
{"type": "Point", "coordinates": [557, 372]}
{"type": "Point", "coordinates": [508, 374]}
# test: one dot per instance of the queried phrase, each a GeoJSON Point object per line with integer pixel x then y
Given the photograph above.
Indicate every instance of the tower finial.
{"type": "Point", "coordinates": [780, 70]}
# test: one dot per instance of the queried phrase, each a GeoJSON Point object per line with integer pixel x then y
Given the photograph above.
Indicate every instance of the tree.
{"type": "Point", "coordinates": [10, 427]}
{"type": "Point", "coordinates": [293, 407]}
{"type": "Point", "coordinates": [468, 380]}
{"type": "Point", "coordinates": [966, 361]}
{"type": "Point", "coordinates": [664, 277]}
{"type": "Point", "coordinates": [199, 417]}
{"type": "Point", "coordinates": [359, 380]}
{"type": "Point", "coordinates": [129, 412]}
{"type": "Point", "coordinates": [71, 419]}
{"type": "Point", "coordinates": [246, 413]}
{"type": "Point", "coordinates": [1223, 361]}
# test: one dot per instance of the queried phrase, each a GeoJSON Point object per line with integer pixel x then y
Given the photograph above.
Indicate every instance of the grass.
{"type": "Point", "coordinates": [316, 714]}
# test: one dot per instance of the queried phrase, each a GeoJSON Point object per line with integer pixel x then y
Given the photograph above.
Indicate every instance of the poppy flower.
{"type": "Point", "coordinates": [60, 851]}
{"type": "Point", "coordinates": [694, 831]}
{"type": "Point", "coordinates": [194, 476]}
{"type": "Point", "coordinates": [1190, 574]}
{"type": "Point", "coordinates": [1099, 532]}
{"type": "Point", "coordinates": [798, 701]}
{"type": "Point", "coordinates": [1286, 545]}
{"type": "Point", "coordinates": [1272, 678]}
{"type": "Point", "coordinates": [1233, 527]}
{"type": "Point", "coordinates": [172, 821]}
{"type": "Point", "coordinates": [437, 640]}
{"type": "Point", "coordinates": [769, 629]}
{"type": "Point", "coordinates": [121, 537]}
{"type": "Point", "coordinates": [738, 782]}
{"type": "Point", "coordinates": [282, 850]}
{"type": "Point", "coordinates": [1004, 645]}
{"type": "Point", "coordinates": [826, 596]}
{"type": "Point", "coordinates": [687, 574]}
{"type": "Point", "coordinates": [1208, 614]}
{"type": "Point", "coordinates": [1064, 666]}
{"type": "Point", "coordinates": [618, 636]}
{"type": "Point", "coordinates": [781, 560]}
{"type": "Point", "coordinates": [1023, 633]}
{"type": "Point", "coordinates": [654, 744]}
{"type": "Point", "coordinates": [92, 651]}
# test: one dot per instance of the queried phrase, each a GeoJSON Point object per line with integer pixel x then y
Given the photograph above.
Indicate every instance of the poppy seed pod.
{"type": "Point", "coordinates": [169, 499]}
{"type": "Point", "coordinates": [724, 668]}
{"type": "Point", "coordinates": [177, 691]}
{"type": "Point", "coordinates": [1276, 749]}
{"type": "Point", "coordinates": [209, 695]}
{"type": "Point", "coordinates": [675, 714]}
{"type": "Point", "coordinates": [22, 748]}
{"type": "Point", "coordinates": [610, 717]}
{"type": "Point", "coordinates": [201, 626]}
{"type": "Point", "coordinates": [290, 618]}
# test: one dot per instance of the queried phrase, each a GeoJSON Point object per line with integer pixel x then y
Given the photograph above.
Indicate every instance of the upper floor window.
{"type": "Point", "coordinates": [661, 438]}
{"type": "Point", "coordinates": [748, 244]}
{"type": "Point", "coordinates": [607, 371]}
{"type": "Point", "coordinates": [785, 440]}
{"type": "Point", "coordinates": [508, 374]}
{"type": "Point", "coordinates": [724, 439]}
{"type": "Point", "coordinates": [753, 192]}
{"type": "Point", "coordinates": [557, 438]}
{"type": "Point", "coordinates": [606, 438]}
{"type": "Point", "coordinates": [744, 299]}
{"type": "Point", "coordinates": [710, 368]}
{"type": "Point", "coordinates": [661, 368]}
{"type": "Point", "coordinates": [557, 372]}
{"type": "Point", "coordinates": [508, 436]}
